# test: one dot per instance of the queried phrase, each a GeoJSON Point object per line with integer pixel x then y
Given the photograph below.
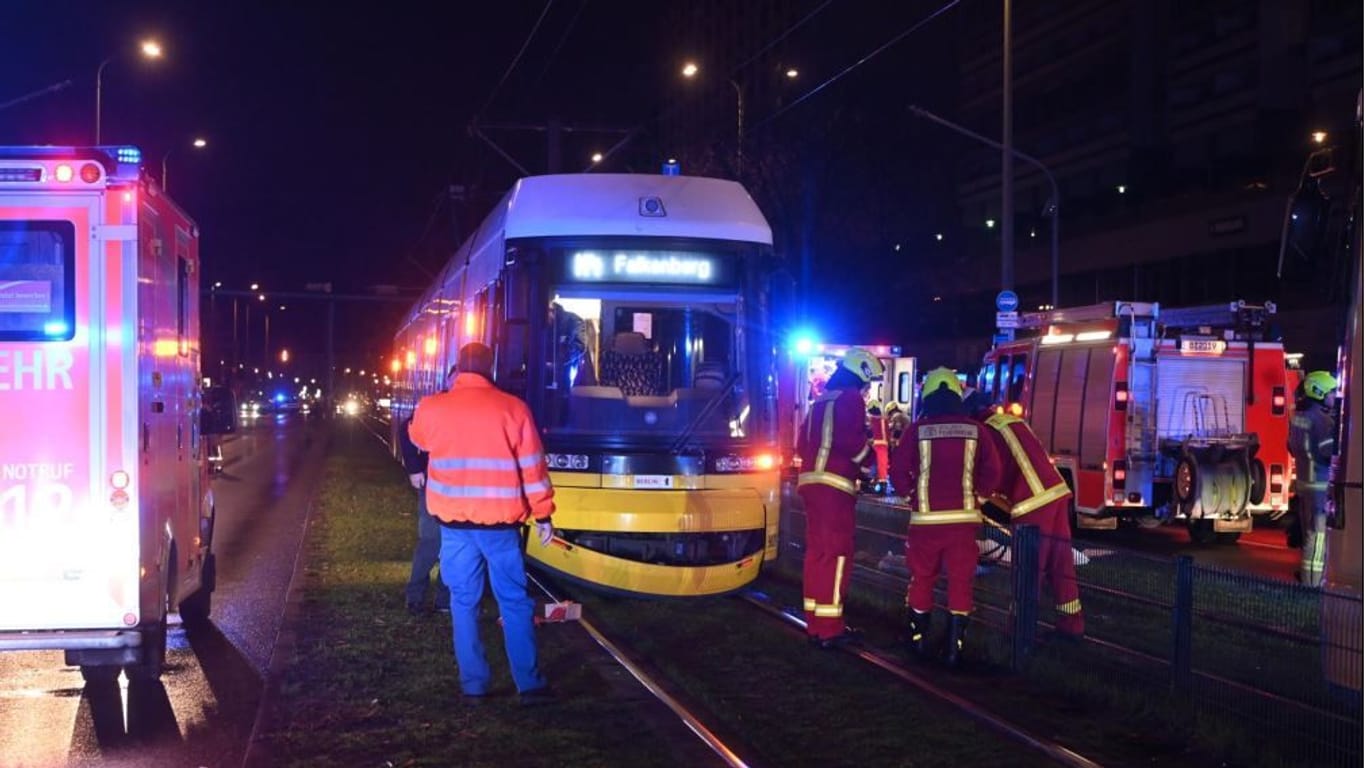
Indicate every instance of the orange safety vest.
{"type": "Point", "coordinates": [486, 465]}
{"type": "Point", "coordinates": [1034, 482]}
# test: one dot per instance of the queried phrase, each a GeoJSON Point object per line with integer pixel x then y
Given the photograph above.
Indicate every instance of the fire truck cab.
{"type": "Point", "coordinates": [1159, 414]}
{"type": "Point", "coordinates": [106, 513]}
{"type": "Point", "coordinates": [807, 366]}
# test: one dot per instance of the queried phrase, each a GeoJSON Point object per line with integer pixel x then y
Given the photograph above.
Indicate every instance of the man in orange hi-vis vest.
{"type": "Point", "coordinates": [834, 447]}
{"type": "Point", "coordinates": [944, 462]}
{"type": "Point", "coordinates": [1034, 493]}
{"type": "Point", "coordinates": [486, 475]}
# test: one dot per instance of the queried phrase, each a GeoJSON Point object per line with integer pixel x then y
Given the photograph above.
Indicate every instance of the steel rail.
{"type": "Point", "coordinates": [689, 719]}
{"type": "Point", "coordinates": [1051, 749]}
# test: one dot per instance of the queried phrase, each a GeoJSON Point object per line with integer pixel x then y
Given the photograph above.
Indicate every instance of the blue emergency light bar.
{"type": "Point", "coordinates": [129, 155]}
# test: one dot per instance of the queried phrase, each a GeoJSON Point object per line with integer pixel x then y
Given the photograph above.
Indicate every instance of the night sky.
{"type": "Point", "coordinates": [335, 129]}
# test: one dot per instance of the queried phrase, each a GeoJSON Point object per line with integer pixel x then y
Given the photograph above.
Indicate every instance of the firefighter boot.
{"type": "Point", "coordinates": [958, 630]}
{"type": "Point", "coordinates": [918, 632]}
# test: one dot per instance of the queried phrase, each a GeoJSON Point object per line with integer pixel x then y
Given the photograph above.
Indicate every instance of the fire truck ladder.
{"type": "Point", "coordinates": [1106, 310]}
{"type": "Point", "coordinates": [1247, 321]}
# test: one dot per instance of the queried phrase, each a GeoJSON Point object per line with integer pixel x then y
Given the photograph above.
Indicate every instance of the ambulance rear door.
{"type": "Point", "coordinates": [68, 531]}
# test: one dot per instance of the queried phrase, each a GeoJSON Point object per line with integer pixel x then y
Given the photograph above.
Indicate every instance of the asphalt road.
{"type": "Point", "coordinates": [203, 710]}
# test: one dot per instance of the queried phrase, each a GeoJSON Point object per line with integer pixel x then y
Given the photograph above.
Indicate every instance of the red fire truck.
{"type": "Point", "coordinates": [806, 366]}
{"type": "Point", "coordinates": [1172, 414]}
{"type": "Point", "coordinates": [106, 514]}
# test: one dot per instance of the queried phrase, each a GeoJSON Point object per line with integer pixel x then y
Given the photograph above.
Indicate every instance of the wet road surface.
{"type": "Point", "coordinates": [202, 711]}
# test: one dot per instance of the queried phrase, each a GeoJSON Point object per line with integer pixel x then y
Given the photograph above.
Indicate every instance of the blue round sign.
{"type": "Point", "coordinates": [1007, 301]}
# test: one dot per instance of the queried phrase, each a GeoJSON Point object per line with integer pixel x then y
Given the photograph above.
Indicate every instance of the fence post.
{"type": "Point", "coordinates": [1182, 617]}
{"type": "Point", "coordinates": [1024, 589]}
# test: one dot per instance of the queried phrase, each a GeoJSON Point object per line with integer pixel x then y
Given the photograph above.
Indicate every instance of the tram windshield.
{"type": "Point", "coordinates": [648, 365]}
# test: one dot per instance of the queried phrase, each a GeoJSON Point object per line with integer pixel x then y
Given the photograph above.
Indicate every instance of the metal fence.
{"type": "Point", "coordinates": [1263, 672]}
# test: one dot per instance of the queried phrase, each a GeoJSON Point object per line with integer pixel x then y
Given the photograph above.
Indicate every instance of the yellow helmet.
{"type": "Point", "coordinates": [941, 377]}
{"type": "Point", "coordinates": [1319, 384]}
{"type": "Point", "coordinates": [863, 364]}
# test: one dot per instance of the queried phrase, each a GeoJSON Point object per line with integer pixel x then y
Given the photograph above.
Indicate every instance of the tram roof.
{"type": "Point", "coordinates": [616, 204]}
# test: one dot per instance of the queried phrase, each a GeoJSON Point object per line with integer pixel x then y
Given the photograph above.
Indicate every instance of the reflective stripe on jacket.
{"type": "Point", "coordinates": [945, 463]}
{"type": "Point", "coordinates": [486, 465]}
{"type": "Point", "coordinates": [1311, 443]}
{"type": "Point", "coordinates": [1028, 478]}
{"type": "Point", "coordinates": [834, 440]}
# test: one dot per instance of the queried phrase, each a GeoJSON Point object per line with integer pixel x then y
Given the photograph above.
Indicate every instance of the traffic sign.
{"type": "Point", "coordinates": [1007, 301]}
{"type": "Point", "coordinates": [1007, 319]}
{"type": "Point", "coordinates": [1003, 337]}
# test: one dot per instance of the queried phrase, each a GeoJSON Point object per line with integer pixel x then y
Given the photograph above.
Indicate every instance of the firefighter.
{"type": "Point", "coordinates": [944, 462]}
{"type": "Point", "coordinates": [1311, 443]}
{"type": "Point", "coordinates": [834, 448]}
{"type": "Point", "coordinates": [1034, 493]}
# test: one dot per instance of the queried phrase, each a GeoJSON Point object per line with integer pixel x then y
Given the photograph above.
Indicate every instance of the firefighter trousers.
{"type": "Point", "coordinates": [1057, 565]}
{"type": "Point", "coordinates": [829, 558]}
{"type": "Point", "coordinates": [948, 548]}
{"type": "Point", "coordinates": [1313, 515]}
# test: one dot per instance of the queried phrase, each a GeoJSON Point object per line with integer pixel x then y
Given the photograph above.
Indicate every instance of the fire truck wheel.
{"type": "Point", "coordinates": [99, 674]}
{"type": "Point", "coordinates": [1257, 493]}
{"type": "Point", "coordinates": [1185, 485]}
{"type": "Point", "coordinates": [1202, 532]}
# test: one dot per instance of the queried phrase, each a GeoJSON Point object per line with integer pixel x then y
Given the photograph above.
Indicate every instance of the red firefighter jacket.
{"type": "Point", "coordinates": [834, 441]}
{"type": "Point", "coordinates": [486, 465]}
{"type": "Point", "coordinates": [1028, 478]}
{"type": "Point", "coordinates": [945, 463]}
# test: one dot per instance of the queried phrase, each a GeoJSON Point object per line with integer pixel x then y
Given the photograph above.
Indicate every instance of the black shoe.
{"type": "Point", "coordinates": [918, 632]}
{"type": "Point", "coordinates": [536, 696]}
{"type": "Point", "coordinates": [845, 638]}
{"type": "Point", "coordinates": [958, 633]}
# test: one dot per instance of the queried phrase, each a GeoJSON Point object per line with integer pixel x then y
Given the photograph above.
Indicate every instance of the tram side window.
{"type": "Point", "coordinates": [37, 272]}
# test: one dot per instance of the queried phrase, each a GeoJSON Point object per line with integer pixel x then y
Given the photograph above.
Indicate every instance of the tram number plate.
{"type": "Point", "coordinates": [653, 481]}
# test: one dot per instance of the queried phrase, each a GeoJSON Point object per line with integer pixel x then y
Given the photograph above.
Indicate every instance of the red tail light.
{"type": "Point", "coordinates": [1278, 401]}
{"type": "Point", "coordinates": [1277, 484]}
{"type": "Point", "coordinates": [1119, 474]}
{"type": "Point", "coordinates": [1121, 395]}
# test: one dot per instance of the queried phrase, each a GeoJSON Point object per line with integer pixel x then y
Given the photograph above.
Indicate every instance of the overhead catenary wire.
{"type": "Point", "coordinates": [513, 65]}
{"type": "Point", "coordinates": [868, 57]}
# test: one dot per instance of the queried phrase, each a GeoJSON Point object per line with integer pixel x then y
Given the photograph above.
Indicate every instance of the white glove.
{"type": "Point", "coordinates": [417, 479]}
{"type": "Point", "coordinates": [544, 531]}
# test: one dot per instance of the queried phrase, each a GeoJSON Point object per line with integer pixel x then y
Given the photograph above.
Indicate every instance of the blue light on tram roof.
{"type": "Point", "coordinates": [131, 155]}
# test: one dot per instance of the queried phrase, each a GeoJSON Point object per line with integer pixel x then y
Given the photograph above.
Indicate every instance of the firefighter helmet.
{"type": "Point", "coordinates": [941, 377]}
{"type": "Point", "coordinates": [863, 364]}
{"type": "Point", "coordinates": [1319, 385]}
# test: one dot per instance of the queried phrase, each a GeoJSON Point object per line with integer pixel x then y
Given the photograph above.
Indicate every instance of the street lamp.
{"type": "Point", "coordinates": [198, 143]}
{"type": "Point", "coordinates": [690, 70]}
{"type": "Point", "coordinates": [1054, 204]}
{"type": "Point", "coordinates": [151, 49]}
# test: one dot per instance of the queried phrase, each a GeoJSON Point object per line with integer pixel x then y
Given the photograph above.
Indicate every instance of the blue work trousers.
{"type": "Point", "coordinates": [467, 555]}
{"type": "Point", "coordinates": [425, 555]}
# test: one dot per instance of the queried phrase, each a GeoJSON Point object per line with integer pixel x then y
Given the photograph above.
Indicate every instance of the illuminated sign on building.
{"type": "Point", "coordinates": [643, 267]}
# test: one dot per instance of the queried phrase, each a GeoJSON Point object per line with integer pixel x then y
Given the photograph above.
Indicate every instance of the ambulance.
{"type": "Point", "coordinates": [106, 513]}
{"type": "Point", "coordinates": [1154, 413]}
{"type": "Point", "coordinates": [804, 368]}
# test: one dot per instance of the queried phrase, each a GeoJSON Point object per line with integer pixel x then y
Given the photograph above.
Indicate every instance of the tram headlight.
{"type": "Point", "coordinates": [760, 462]}
{"type": "Point", "coordinates": [572, 461]}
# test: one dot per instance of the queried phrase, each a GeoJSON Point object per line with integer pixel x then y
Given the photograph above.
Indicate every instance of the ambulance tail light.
{"type": "Point", "coordinates": [1121, 396]}
{"type": "Point", "coordinates": [90, 173]}
{"type": "Point", "coordinates": [119, 479]}
{"type": "Point", "coordinates": [1278, 401]}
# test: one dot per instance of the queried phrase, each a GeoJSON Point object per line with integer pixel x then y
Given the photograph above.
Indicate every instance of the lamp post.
{"type": "Point", "coordinates": [151, 49]}
{"type": "Point", "coordinates": [690, 70]}
{"type": "Point", "coordinates": [1055, 203]}
{"type": "Point", "coordinates": [198, 143]}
